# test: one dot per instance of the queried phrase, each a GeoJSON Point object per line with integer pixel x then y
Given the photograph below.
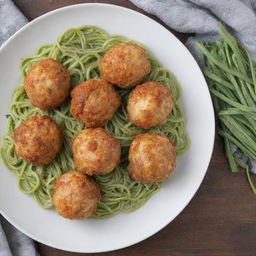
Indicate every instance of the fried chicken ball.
{"type": "Point", "coordinates": [125, 65]}
{"type": "Point", "coordinates": [38, 140]}
{"type": "Point", "coordinates": [149, 104]}
{"type": "Point", "coordinates": [152, 157]}
{"type": "Point", "coordinates": [75, 195]}
{"type": "Point", "coordinates": [95, 151]}
{"type": "Point", "coordinates": [94, 102]}
{"type": "Point", "coordinates": [47, 84]}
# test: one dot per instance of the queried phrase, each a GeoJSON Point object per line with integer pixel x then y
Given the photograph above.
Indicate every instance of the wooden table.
{"type": "Point", "coordinates": [221, 218]}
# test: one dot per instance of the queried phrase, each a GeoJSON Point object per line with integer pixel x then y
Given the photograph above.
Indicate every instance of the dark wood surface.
{"type": "Point", "coordinates": [221, 218]}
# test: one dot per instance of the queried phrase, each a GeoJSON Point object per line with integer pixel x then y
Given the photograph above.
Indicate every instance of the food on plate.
{"type": "Point", "coordinates": [75, 195]}
{"type": "Point", "coordinates": [125, 65]}
{"type": "Point", "coordinates": [152, 157]}
{"type": "Point", "coordinates": [80, 50]}
{"type": "Point", "coordinates": [230, 71]}
{"type": "Point", "coordinates": [94, 102]}
{"type": "Point", "coordinates": [149, 104]}
{"type": "Point", "coordinates": [47, 84]}
{"type": "Point", "coordinates": [38, 139]}
{"type": "Point", "coordinates": [95, 151]}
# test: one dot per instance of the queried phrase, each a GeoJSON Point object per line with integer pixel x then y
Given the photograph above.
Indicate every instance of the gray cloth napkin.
{"type": "Point", "coordinates": [201, 17]}
{"type": "Point", "coordinates": [12, 241]}
{"type": "Point", "coordinates": [11, 19]}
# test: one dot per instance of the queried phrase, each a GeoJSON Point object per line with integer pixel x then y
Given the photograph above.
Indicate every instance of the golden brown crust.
{"type": "Point", "coordinates": [38, 140]}
{"type": "Point", "coordinates": [149, 104]}
{"type": "Point", "coordinates": [47, 84]}
{"type": "Point", "coordinates": [125, 65]}
{"type": "Point", "coordinates": [94, 102]}
{"type": "Point", "coordinates": [75, 195]}
{"type": "Point", "coordinates": [95, 151]}
{"type": "Point", "coordinates": [152, 157]}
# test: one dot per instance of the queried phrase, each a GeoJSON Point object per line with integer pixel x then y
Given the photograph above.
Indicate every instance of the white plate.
{"type": "Point", "coordinates": [121, 230]}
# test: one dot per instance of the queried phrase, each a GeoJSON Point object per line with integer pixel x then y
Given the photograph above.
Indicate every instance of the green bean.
{"type": "Point", "coordinates": [231, 77]}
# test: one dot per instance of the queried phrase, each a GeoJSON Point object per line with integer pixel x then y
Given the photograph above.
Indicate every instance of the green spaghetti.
{"type": "Point", "coordinates": [80, 50]}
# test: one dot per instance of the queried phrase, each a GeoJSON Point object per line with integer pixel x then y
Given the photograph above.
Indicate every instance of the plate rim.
{"type": "Point", "coordinates": [164, 223]}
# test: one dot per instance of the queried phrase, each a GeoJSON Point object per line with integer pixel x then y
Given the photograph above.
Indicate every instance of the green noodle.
{"type": "Point", "coordinates": [80, 50]}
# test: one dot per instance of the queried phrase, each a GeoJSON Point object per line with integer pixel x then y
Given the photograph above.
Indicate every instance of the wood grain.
{"type": "Point", "coordinates": [221, 218]}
